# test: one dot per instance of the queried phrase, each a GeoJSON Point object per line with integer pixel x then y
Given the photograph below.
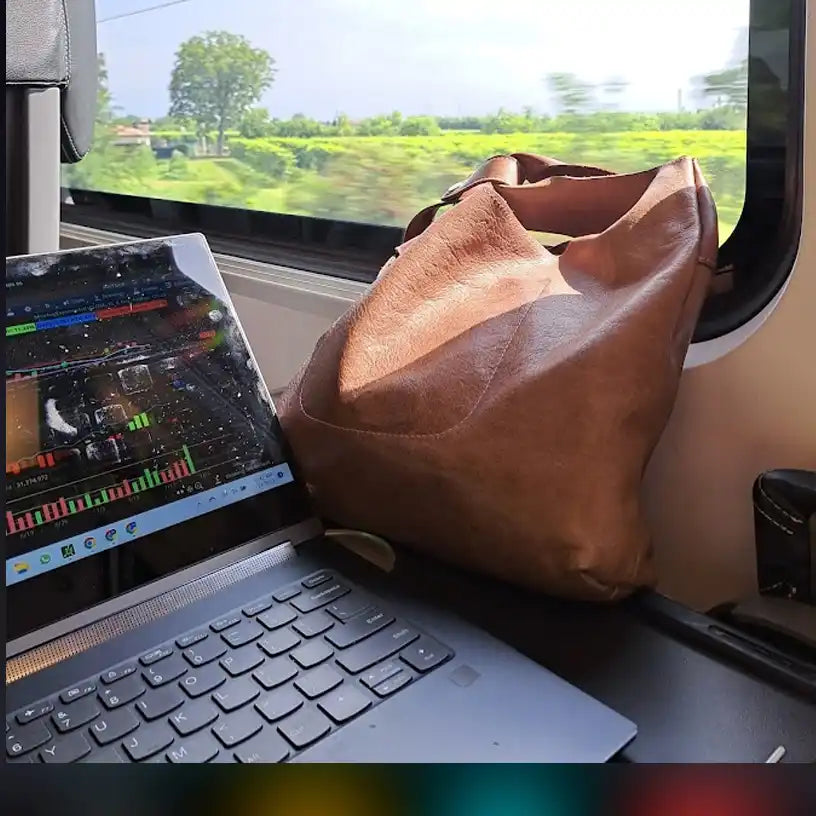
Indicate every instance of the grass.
{"type": "Point", "coordinates": [386, 179]}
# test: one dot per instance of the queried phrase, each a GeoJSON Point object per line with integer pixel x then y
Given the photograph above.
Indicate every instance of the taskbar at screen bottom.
{"type": "Point", "coordinates": [143, 524]}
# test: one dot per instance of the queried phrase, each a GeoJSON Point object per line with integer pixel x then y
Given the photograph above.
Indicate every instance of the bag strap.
{"type": "Point", "coordinates": [548, 195]}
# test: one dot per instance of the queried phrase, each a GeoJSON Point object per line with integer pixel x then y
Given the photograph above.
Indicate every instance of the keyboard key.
{"type": "Point", "coordinates": [275, 672]}
{"type": "Point", "coordinates": [34, 712]}
{"type": "Point", "coordinates": [109, 755]}
{"type": "Point", "coordinates": [199, 748]}
{"type": "Point", "coordinates": [242, 661]}
{"type": "Point", "coordinates": [305, 727]}
{"type": "Point", "coordinates": [225, 623]}
{"type": "Point", "coordinates": [350, 605]}
{"type": "Point", "coordinates": [66, 749]}
{"type": "Point", "coordinates": [157, 703]}
{"type": "Point", "coordinates": [112, 675]}
{"type": "Point", "coordinates": [377, 648]}
{"type": "Point", "coordinates": [204, 652]}
{"type": "Point", "coordinates": [239, 727]}
{"type": "Point", "coordinates": [344, 703]}
{"type": "Point", "coordinates": [319, 681]}
{"type": "Point", "coordinates": [425, 654]}
{"type": "Point", "coordinates": [185, 641]}
{"type": "Point", "coordinates": [125, 691]}
{"type": "Point", "coordinates": [165, 671]}
{"type": "Point", "coordinates": [243, 634]}
{"type": "Point", "coordinates": [279, 703]}
{"type": "Point", "coordinates": [156, 655]}
{"type": "Point", "coordinates": [268, 747]}
{"type": "Point", "coordinates": [315, 623]}
{"type": "Point", "coordinates": [277, 617]}
{"type": "Point", "coordinates": [279, 642]}
{"type": "Point", "coordinates": [148, 740]}
{"type": "Point", "coordinates": [77, 692]}
{"type": "Point", "coordinates": [392, 684]}
{"type": "Point", "coordinates": [193, 717]}
{"type": "Point", "coordinates": [114, 725]}
{"type": "Point", "coordinates": [320, 597]}
{"type": "Point", "coordinates": [236, 693]}
{"type": "Point", "coordinates": [286, 594]}
{"type": "Point", "coordinates": [24, 738]}
{"type": "Point", "coordinates": [75, 715]}
{"type": "Point", "coordinates": [257, 607]}
{"type": "Point", "coordinates": [360, 628]}
{"type": "Point", "coordinates": [312, 653]}
{"type": "Point", "coordinates": [316, 580]}
{"type": "Point", "coordinates": [382, 672]}
{"type": "Point", "coordinates": [202, 680]}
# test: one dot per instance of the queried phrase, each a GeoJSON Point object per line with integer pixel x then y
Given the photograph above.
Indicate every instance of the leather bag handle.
{"type": "Point", "coordinates": [547, 195]}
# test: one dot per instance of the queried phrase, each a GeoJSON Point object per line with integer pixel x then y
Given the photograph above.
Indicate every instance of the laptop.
{"type": "Point", "coordinates": [170, 594]}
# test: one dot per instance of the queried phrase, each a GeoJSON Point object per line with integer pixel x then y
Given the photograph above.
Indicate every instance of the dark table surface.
{"type": "Point", "coordinates": [690, 705]}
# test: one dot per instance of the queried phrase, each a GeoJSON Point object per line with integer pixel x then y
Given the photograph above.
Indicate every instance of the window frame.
{"type": "Point", "coordinates": [759, 253]}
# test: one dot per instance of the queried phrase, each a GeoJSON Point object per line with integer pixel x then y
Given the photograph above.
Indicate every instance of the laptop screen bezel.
{"type": "Point", "coordinates": [50, 601]}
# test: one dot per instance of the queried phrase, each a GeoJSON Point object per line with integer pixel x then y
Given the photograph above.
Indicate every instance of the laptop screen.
{"type": "Point", "coordinates": [140, 438]}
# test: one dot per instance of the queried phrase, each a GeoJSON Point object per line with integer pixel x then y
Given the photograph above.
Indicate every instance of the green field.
{"type": "Point", "coordinates": [387, 179]}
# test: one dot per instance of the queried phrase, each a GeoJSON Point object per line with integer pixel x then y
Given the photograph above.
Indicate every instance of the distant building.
{"type": "Point", "coordinates": [132, 135]}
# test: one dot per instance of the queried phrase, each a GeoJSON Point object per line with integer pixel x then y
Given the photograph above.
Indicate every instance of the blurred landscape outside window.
{"type": "Point", "coordinates": [367, 111]}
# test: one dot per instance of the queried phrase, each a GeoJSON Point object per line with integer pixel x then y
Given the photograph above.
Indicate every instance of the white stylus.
{"type": "Point", "coordinates": [776, 755]}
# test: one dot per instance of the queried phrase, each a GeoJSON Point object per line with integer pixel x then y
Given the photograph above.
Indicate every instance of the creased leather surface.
{"type": "Point", "coordinates": [494, 403]}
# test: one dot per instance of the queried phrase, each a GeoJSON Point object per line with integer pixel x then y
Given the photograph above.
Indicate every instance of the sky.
{"type": "Point", "coordinates": [437, 57]}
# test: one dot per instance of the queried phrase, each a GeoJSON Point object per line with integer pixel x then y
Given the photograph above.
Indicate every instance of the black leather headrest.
{"type": "Point", "coordinates": [52, 43]}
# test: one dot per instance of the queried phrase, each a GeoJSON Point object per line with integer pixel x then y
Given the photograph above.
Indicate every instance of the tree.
{"type": "Point", "coordinates": [216, 79]}
{"type": "Point", "coordinates": [612, 88]}
{"type": "Point", "coordinates": [728, 88]}
{"type": "Point", "coordinates": [255, 123]}
{"type": "Point", "coordinates": [571, 94]}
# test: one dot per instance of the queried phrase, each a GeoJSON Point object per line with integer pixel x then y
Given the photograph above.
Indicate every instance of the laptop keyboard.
{"type": "Point", "coordinates": [259, 684]}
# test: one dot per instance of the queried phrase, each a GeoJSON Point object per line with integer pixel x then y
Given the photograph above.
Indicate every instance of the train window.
{"type": "Point", "coordinates": [310, 132]}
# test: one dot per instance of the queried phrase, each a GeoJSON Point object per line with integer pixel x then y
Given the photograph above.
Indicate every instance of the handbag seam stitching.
{"type": "Point", "coordinates": [785, 513]}
{"type": "Point", "coordinates": [774, 521]}
{"type": "Point", "coordinates": [438, 434]}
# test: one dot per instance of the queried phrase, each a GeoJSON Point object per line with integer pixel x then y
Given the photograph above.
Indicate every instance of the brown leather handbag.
{"type": "Point", "coordinates": [493, 401]}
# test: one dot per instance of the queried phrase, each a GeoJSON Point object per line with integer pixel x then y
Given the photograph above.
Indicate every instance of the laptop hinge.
{"type": "Point", "coordinates": [26, 660]}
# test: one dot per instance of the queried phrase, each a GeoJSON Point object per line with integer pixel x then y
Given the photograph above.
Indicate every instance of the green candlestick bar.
{"type": "Point", "coordinates": [38, 517]}
{"type": "Point", "coordinates": [138, 422]}
{"type": "Point", "coordinates": [188, 459]}
{"type": "Point", "coordinates": [71, 506]}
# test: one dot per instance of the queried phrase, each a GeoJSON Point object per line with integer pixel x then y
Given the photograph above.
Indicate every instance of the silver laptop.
{"type": "Point", "coordinates": [171, 598]}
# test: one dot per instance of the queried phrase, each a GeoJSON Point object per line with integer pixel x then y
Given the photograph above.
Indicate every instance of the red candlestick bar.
{"type": "Point", "coordinates": [180, 469]}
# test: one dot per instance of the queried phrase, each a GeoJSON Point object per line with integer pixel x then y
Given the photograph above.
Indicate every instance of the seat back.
{"type": "Point", "coordinates": [51, 89]}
